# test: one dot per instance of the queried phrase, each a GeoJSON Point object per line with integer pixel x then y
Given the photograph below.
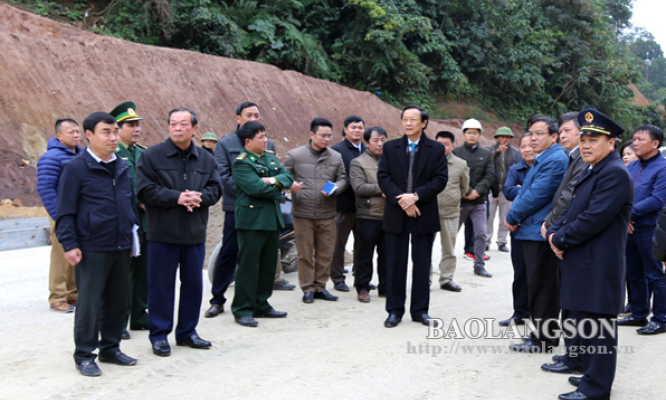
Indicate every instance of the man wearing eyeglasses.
{"type": "Point", "coordinates": [529, 209]}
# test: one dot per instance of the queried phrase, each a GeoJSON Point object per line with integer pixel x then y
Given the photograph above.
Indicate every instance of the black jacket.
{"type": "Point", "coordinates": [346, 201]}
{"type": "Point", "coordinates": [161, 176]}
{"type": "Point", "coordinates": [481, 170]}
{"type": "Point", "coordinates": [95, 209]}
{"type": "Point", "coordinates": [562, 196]}
{"type": "Point", "coordinates": [659, 239]}
{"type": "Point", "coordinates": [430, 174]}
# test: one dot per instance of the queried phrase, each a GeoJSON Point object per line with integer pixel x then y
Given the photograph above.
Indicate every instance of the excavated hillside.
{"type": "Point", "coordinates": [50, 70]}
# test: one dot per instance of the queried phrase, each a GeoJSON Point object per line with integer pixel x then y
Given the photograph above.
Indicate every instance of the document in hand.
{"type": "Point", "coordinates": [329, 188]}
{"type": "Point", "coordinates": [136, 243]}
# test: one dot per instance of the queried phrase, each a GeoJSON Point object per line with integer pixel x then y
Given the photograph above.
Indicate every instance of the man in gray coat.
{"type": "Point", "coordinates": [448, 202]}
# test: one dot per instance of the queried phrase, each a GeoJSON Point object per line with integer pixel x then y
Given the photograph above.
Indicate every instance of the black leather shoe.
{"type": "Point", "coordinates": [631, 321]}
{"type": "Point", "coordinates": [503, 248]}
{"type": "Point", "coordinates": [283, 285]}
{"type": "Point", "coordinates": [118, 357]}
{"type": "Point", "coordinates": [372, 287]}
{"type": "Point", "coordinates": [529, 347]}
{"type": "Point", "coordinates": [325, 295]}
{"type": "Point", "coordinates": [451, 286]}
{"type": "Point", "coordinates": [125, 335]}
{"type": "Point", "coordinates": [392, 321]}
{"type": "Point", "coordinates": [247, 321]}
{"type": "Point", "coordinates": [572, 396]}
{"type": "Point", "coordinates": [161, 348]}
{"type": "Point", "coordinates": [652, 328]}
{"type": "Point", "coordinates": [89, 368]}
{"type": "Point", "coordinates": [575, 380]}
{"type": "Point", "coordinates": [308, 297]}
{"type": "Point", "coordinates": [422, 319]}
{"type": "Point", "coordinates": [194, 342]}
{"type": "Point", "coordinates": [271, 314]}
{"type": "Point", "coordinates": [558, 358]}
{"type": "Point", "coordinates": [559, 368]}
{"type": "Point", "coordinates": [482, 272]}
{"type": "Point", "coordinates": [341, 287]}
{"type": "Point", "coordinates": [507, 322]}
{"type": "Point", "coordinates": [214, 310]}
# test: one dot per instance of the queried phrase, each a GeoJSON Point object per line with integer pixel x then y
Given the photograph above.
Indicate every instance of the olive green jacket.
{"type": "Point", "coordinates": [258, 203]}
{"type": "Point", "coordinates": [132, 161]}
{"type": "Point", "coordinates": [363, 174]}
{"type": "Point", "coordinates": [448, 201]}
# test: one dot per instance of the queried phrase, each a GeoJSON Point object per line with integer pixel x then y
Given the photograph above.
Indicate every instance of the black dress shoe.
{"type": "Point", "coordinates": [559, 368]}
{"type": "Point", "coordinates": [372, 287]}
{"type": "Point", "coordinates": [308, 297]}
{"type": "Point", "coordinates": [529, 347]}
{"type": "Point", "coordinates": [451, 287]}
{"type": "Point", "coordinates": [559, 358]}
{"type": "Point", "coordinates": [161, 348]}
{"type": "Point", "coordinates": [652, 328]}
{"type": "Point", "coordinates": [392, 321]}
{"type": "Point", "coordinates": [572, 396]}
{"type": "Point", "coordinates": [118, 357]}
{"type": "Point", "coordinates": [341, 287]}
{"type": "Point", "coordinates": [503, 248]}
{"type": "Point", "coordinates": [283, 285]}
{"type": "Point", "coordinates": [423, 318]}
{"type": "Point", "coordinates": [125, 335]}
{"type": "Point", "coordinates": [88, 368]}
{"type": "Point", "coordinates": [631, 321]}
{"type": "Point", "coordinates": [214, 310]}
{"type": "Point", "coordinates": [507, 322]}
{"type": "Point", "coordinates": [271, 314]}
{"type": "Point", "coordinates": [482, 272]}
{"type": "Point", "coordinates": [325, 295]}
{"type": "Point", "coordinates": [247, 321]}
{"type": "Point", "coordinates": [575, 380]}
{"type": "Point", "coordinates": [194, 342]}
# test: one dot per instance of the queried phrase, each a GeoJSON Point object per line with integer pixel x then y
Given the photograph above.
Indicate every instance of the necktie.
{"type": "Point", "coordinates": [412, 147]}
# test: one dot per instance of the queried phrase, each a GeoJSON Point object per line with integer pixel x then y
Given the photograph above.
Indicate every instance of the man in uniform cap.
{"type": "Point", "coordinates": [590, 238]}
{"type": "Point", "coordinates": [130, 151]}
{"type": "Point", "coordinates": [208, 142]}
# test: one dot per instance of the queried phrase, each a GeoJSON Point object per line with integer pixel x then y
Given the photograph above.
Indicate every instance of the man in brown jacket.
{"type": "Point", "coordinates": [448, 202]}
{"type": "Point", "coordinates": [370, 203]}
{"type": "Point", "coordinates": [313, 166]}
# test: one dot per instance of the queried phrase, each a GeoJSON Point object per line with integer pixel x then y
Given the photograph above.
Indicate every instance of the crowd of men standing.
{"type": "Point", "coordinates": [126, 219]}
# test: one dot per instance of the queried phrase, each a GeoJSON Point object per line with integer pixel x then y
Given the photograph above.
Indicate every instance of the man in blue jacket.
{"type": "Point", "coordinates": [644, 272]}
{"type": "Point", "coordinates": [95, 220]}
{"type": "Point", "coordinates": [528, 211]}
{"type": "Point", "coordinates": [61, 149]}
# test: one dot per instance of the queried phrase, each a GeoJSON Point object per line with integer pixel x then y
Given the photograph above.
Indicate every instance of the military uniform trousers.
{"type": "Point", "coordinates": [138, 290]}
{"type": "Point", "coordinates": [257, 256]}
{"type": "Point", "coordinates": [102, 278]}
{"type": "Point", "coordinates": [62, 282]}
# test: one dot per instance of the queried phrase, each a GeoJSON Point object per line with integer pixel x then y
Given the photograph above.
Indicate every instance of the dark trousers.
{"type": "Point", "coordinates": [345, 223]}
{"type": "Point", "coordinates": [598, 368]}
{"type": "Point", "coordinates": [543, 290]}
{"type": "Point", "coordinates": [257, 257]}
{"type": "Point", "coordinates": [370, 235]}
{"type": "Point", "coordinates": [397, 246]}
{"type": "Point", "coordinates": [227, 258]}
{"type": "Point", "coordinates": [163, 262]}
{"type": "Point", "coordinates": [521, 306]}
{"type": "Point", "coordinates": [101, 310]}
{"type": "Point", "coordinates": [645, 274]}
{"type": "Point", "coordinates": [138, 290]}
{"type": "Point", "coordinates": [469, 236]}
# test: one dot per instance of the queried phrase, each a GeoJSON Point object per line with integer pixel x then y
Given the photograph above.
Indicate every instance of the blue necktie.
{"type": "Point", "coordinates": [412, 147]}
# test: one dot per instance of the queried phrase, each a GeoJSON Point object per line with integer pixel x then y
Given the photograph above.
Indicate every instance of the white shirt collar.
{"type": "Point", "coordinates": [99, 160]}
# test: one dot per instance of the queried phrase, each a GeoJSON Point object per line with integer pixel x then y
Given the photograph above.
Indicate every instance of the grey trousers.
{"type": "Point", "coordinates": [447, 237]}
{"type": "Point", "coordinates": [477, 213]}
{"type": "Point", "coordinates": [503, 205]}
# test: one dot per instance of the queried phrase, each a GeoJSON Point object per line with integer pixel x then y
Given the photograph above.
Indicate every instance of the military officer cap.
{"type": "Point", "coordinates": [209, 136]}
{"type": "Point", "coordinates": [593, 122]}
{"type": "Point", "coordinates": [126, 112]}
{"type": "Point", "coordinates": [504, 131]}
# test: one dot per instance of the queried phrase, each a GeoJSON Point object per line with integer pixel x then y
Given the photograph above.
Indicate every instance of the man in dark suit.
{"type": "Point", "coordinates": [412, 172]}
{"type": "Point", "coordinates": [590, 238]}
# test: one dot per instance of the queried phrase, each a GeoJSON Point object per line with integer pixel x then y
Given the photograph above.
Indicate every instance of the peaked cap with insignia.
{"type": "Point", "coordinates": [593, 122]}
{"type": "Point", "coordinates": [126, 112]}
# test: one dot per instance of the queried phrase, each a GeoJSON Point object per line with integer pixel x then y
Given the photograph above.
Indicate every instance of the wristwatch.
{"type": "Point", "coordinates": [416, 197]}
{"type": "Point", "coordinates": [272, 180]}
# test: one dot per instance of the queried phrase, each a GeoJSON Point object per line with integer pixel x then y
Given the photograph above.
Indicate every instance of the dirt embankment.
{"type": "Point", "coordinates": [50, 70]}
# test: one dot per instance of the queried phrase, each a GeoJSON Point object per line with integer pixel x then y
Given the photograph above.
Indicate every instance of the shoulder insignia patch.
{"type": "Point", "coordinates": [270, 152]}
{"type": "Point", "coordinates": [140, 145]}
{"type": "Point", "coordinates": [241, 156]}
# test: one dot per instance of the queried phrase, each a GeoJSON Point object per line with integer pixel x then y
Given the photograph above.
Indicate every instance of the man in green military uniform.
{"type": "Point", "coordinates": [208, 142]}
{"type": "Point", "coordinates": [130, 151]}
{"type": "Point", "coordinates": [259, 178]}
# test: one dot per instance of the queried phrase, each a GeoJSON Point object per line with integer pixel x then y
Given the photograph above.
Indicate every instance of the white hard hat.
{"type": "Point", "coordinates": [472, 124]}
